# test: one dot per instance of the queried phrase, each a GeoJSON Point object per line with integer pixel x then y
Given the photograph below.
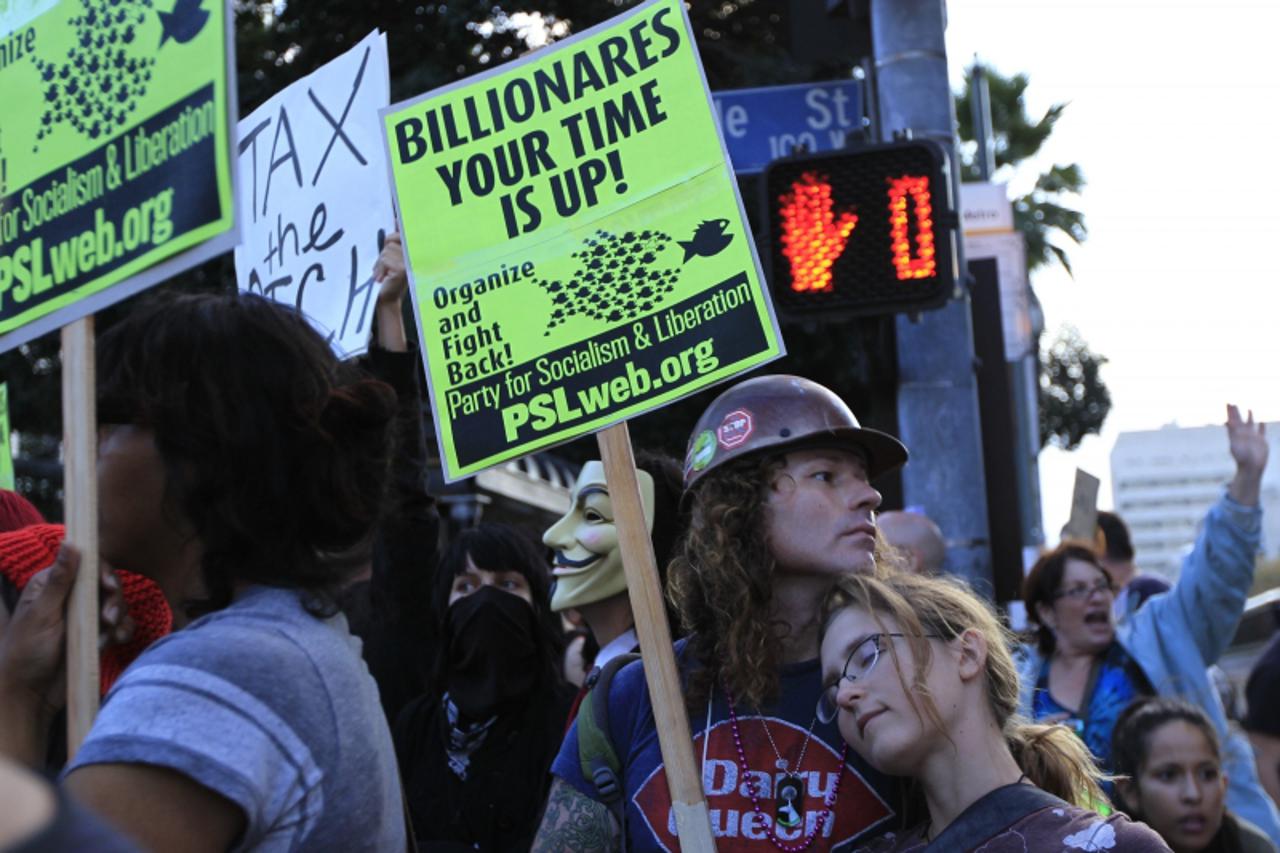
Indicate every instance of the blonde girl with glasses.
{"type": "Point", "coordinates": [918, 676]}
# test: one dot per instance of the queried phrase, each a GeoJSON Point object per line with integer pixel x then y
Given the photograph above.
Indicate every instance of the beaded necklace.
{"type": "Point", "coordinates": [828, 803]}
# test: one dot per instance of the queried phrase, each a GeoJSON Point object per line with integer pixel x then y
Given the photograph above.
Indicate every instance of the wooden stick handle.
{"type": "Point", "coordinates": [80, 487]}
{"type": "Point", "coordinates": [693, 822]}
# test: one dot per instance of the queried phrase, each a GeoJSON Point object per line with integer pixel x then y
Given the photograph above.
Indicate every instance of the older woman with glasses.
{"type": "Point", "coordinates": [1084, 669]}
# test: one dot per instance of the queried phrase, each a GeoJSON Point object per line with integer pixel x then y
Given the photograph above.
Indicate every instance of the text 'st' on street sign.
{"type": "Point", "coordinates": [760, 125]}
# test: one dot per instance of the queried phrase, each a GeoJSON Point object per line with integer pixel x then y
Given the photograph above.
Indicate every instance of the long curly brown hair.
{"type": "Point", "coordinates": [720, 583]}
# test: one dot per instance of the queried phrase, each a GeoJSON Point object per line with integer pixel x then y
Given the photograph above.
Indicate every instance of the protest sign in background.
{"type": "Point", "coordinates": [314, 199]}
{"type": "Point", "coordinates": [576, 244]}
{"type": "Point", "coordinates": [6, 456]}
{"type": "Point", "coordinates": [1082, 526]}
{"type": "Point", "coordinates": [114, 152]}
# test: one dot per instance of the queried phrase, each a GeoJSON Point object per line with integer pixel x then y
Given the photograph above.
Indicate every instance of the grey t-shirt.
{"type": "Point", "coordinates": [273, 709]}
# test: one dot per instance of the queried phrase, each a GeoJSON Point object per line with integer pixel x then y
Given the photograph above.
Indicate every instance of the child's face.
{"type": "Point", "coordinates": [1181, 789]}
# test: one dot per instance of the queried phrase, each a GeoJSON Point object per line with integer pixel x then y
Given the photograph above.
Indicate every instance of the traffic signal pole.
{"type": "Point", "coordinates": [937, 387]}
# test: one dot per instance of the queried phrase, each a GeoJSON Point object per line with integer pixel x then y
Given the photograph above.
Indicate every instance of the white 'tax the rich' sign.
{"type": "Point", "coordinates": [313, 194]}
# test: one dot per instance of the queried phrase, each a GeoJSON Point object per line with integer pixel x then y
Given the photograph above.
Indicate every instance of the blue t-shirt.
{"type": "Point", "coordinates": [273, 709]}
{"type": "Point", "coordinates": [868, 802]}
{"type": "Point", "coordinates": [1120, 681]}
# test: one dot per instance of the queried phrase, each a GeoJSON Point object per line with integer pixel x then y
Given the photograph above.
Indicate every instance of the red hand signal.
{"type": "Point", "coordinates": [812, 238]}
{"type": "Point", "coordinates": [864, 231]}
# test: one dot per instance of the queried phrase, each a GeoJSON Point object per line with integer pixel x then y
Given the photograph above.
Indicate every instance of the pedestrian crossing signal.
{"type": "Point", "coordinates": [869, 230]}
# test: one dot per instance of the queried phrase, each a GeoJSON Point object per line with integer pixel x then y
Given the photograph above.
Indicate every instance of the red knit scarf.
{"type": "Point", "coordinates": [25, 551]}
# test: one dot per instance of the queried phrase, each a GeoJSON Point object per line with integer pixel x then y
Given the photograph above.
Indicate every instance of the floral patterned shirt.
{"type": "Point", "coordinates": [1064, 829]}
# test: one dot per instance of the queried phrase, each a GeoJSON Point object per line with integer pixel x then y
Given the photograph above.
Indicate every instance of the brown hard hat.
{"type": "Point", "coordinates": [777, 412]}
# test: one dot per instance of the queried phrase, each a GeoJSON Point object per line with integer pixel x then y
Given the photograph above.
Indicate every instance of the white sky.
{"type": "Point", "coordinates": [1174, 117]}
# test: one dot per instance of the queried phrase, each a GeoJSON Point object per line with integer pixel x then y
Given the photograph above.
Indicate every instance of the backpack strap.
{"type": "Point", "coordinates": [600, 763]}
{"type": "Point", "coordinates": [994, 812]}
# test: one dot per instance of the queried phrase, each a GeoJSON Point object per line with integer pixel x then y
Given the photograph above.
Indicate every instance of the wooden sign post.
{"type": "Point", "coordinates": [80, 490]}
{"type": "Point", "coordinates": [693, 821]}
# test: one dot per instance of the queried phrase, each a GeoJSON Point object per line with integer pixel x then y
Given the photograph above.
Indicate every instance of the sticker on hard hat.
{"type": "Point", "coordinates": [734, 429]}
{"type": "Point", "coordinates": [701, 452]}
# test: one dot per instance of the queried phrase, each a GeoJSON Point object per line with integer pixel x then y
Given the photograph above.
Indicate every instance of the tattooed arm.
{"type": "Point", "coordinates": [574, 823]}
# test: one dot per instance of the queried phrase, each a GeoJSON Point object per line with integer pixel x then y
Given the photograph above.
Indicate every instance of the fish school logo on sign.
{"type": "Point", "coordinates": [733, 816]}
{"type": "Point", "coordinates": [577, 247]}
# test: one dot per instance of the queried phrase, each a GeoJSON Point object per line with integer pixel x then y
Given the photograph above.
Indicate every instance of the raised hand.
{"type": "Point", "coordinates": [1248, 443]}
{"type": "Point", "coordinates": [389, 271]}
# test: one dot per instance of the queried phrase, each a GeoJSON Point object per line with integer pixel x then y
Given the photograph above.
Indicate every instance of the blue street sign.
{"type": "Point", "coordinates": [761, 125]}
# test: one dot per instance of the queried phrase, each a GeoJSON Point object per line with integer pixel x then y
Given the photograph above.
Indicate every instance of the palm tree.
{"type": "Point", "coordinates": [1073, 399]}
{"type": "Point", "coordinates": [1042, 213]}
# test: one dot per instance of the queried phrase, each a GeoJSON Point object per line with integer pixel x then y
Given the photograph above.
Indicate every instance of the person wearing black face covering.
{"type": "Point", "coordinates": [476, 748]}
{"type": "Point", "coordinates": [492, 655]}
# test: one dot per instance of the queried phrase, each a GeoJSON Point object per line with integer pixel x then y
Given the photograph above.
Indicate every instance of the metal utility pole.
{"type": "Point", "coordinates": [937, 388]}
{"type": "Point", "coordinates": [1024, 374]}
{"type": "Point", "coordinates": [980, 111]}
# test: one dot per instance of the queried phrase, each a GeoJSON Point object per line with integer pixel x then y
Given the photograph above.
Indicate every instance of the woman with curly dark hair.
{"type": "Point", "coordinates": [242, 468]}
{"type": "Point", "coordinates": [778, 477]}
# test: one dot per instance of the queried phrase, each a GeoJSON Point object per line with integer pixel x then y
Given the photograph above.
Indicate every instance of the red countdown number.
{"type": "Point", "coordinates": [924, 264]}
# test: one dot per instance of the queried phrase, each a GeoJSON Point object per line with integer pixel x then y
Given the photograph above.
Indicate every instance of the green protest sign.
{"type": "Point", "coordinates": [115, 158]}
{"type": "Point", "coordinates": [576, 244]}
{"type": "Point", "coordinates": [6, 453]}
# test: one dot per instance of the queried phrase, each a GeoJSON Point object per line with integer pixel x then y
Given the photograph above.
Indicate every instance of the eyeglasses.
{"type": "Point", "coordinates": [862, 659]}
{"type": "Point", "coordinates": [1082, 592]}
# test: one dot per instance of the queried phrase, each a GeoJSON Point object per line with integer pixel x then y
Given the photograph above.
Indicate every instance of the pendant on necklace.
{"type": "Point", "coordinates": [790, 802]}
